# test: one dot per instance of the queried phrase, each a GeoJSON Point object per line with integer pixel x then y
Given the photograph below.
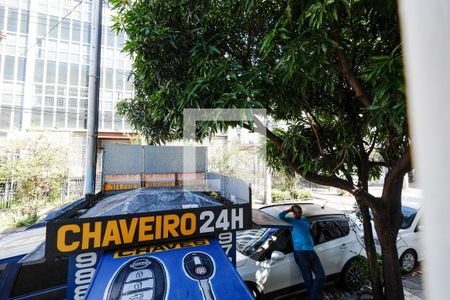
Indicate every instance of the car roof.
{"type": "Point", "coordinates": [309, 209]}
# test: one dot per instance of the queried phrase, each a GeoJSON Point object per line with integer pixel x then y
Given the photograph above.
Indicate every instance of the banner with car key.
{"type": "Point", "coordinates": [113, 232]}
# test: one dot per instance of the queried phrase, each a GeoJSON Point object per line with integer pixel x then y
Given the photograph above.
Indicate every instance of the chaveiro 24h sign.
{"type": "Point", "coordinates": [113, 232]}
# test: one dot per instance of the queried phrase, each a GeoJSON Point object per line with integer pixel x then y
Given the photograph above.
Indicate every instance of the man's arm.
{"type": "Point", "coordinates": [282, 215]}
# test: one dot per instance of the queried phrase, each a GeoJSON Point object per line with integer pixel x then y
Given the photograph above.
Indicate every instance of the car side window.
{"type": "Point", "coordinates": [40, 276]}
{"type": "Point", "coordinates": [324, 231]}
{"type": "Point", "coordinates": [283, 242]}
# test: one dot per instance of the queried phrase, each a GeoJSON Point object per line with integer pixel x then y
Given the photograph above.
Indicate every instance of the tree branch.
{"type": "Point", "coordinates": [332, 180]}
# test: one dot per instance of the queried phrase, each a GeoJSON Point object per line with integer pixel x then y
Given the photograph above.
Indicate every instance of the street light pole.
{"type": "Point", "coordinates": [93, 103]}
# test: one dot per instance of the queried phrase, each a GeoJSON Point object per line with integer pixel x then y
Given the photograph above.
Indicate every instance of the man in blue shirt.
{"type": "Point", "coordinates": [304, 254]}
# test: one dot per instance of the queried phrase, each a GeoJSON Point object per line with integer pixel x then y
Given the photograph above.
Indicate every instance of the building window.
{"type": "Point", "coordinates": [48, 118]}
{"type": "Point", "coordinates": [84, 75]}
{"type": "Point", "coordinates": [13, 16]}
{"type": "Point", "coordinates": [72, 118]}
{"type": "Point", "coordinates": [36, 117]}
{"type": "Point", "coordinates": [51, 71]}
{"type": "Point", "coordinates": [86, 32]}
{"type": "Point", "coordinates": [5, 117]}
{"type": "Point", "coordinates": [17, 123]}
{"type": "Point", "coordinates": [41, 25]}
{"type": "Point", "coordinates": [76, 31]}
{"type": "Point", "coordinates": [2, 16]}
{"type": "Point", "coordinates": [117, 123]}
{"type": "Point", "coordinates": [50, 90]}
{"type": "Point", "coordinates": [74, 68]}
{"type": "Point", "coordinates": [49, 102]}
{"type": "Point", "coordinates": [24, 22]}
{"type": "Point", "coordinates": [73, 103]}
{"type": "Point", "coordinates": [21, 64]}
{"type": "Point", "coordinates": [109, 78]}
{"type": "Point", "coordinates": [60, 121]}
{"type": "Point", "coordinates": [9, 67]}
{"type": "Point", "coordinates": [110, 37]}
{"type": "Point", "coordinates": [62, 73]}
{"type": "Point", "coordinates": [82, 119]}
{"type": "Point", "coordinates": [84, 103]}
{"type": "Point", "coordinates": [73, 92]}
{"type": "Point", "coordinates": [61, 90]}
{"type": "Point", "coordinates": [53, 27]}
{"type": "Point", "coordinates": [39, 70]}
{"type": "Point", "coordinates": [65, 29]}
{"type": "Point", "coordinates": [61, 102]}
{"type": "Point", "coordinates": [119, 80]}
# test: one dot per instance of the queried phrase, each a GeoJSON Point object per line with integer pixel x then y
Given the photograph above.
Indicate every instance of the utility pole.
{"type": "Point", "coordinates": [93, 104]}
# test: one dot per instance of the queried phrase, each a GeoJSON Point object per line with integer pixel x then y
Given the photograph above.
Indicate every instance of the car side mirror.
{"type": "Point", "coordinates": [277, 256]}
{"type": "Point", "coordinates": [420, 228]}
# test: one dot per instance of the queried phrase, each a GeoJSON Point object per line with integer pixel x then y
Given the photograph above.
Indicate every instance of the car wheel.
{"type": "Point", "coordinates": [353, 275]}
{"type": "Point", "coordinates": [408, 261]}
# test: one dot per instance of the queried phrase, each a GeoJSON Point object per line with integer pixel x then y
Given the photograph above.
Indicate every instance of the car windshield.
{"type": "Point", "coordinates": [409, 214]}
{"type": "Point", "coordinates": [249, 241]}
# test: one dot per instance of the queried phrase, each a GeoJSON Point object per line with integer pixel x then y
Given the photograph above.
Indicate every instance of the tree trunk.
{"type": "Point", "coordinates": [388, 219]}
{"type": "Point", "coordinates": [374, 274]}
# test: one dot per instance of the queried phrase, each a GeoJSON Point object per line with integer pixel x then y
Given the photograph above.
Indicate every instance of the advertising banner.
{"type": "Point", "coordinates": [71, 236]}
{"type": "Point", "coordinates": [196, 269]}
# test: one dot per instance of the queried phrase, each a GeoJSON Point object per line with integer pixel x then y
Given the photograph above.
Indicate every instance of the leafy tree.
{"type": "Point", "coordinates": [38, 166]}
{"type": "Point", "coordinates": [329, 69]}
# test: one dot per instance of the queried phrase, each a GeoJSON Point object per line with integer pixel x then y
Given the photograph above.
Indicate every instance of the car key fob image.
{"type": "Point", "coordinates": [200, 266]}
{"type": "Point", "coordinates": [142, 278]}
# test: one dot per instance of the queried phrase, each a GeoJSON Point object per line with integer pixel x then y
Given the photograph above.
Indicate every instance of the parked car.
{"type": "Point", "coordinates": [409, 236]}
{"type": "Point", "coordinates": [265, 258]}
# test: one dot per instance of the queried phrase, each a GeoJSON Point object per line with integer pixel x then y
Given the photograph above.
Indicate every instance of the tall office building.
{"type": "Point", "coordinates": [44, 67]}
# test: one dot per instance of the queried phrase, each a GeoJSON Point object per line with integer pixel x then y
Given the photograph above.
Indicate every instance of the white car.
{"type": "Point", "coordinates": [265, 258]}
{"type": "Point", "coordinates": [409, 236]}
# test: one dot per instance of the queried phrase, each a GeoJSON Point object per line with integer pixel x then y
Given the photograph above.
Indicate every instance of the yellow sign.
{"type": "Point", "coordinates": [158, 248]}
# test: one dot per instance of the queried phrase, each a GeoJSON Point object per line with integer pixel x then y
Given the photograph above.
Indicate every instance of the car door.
{"type": "Point", "coordinates": [283, 273]}
{"type": "Point", "coordinates": [334, 244]}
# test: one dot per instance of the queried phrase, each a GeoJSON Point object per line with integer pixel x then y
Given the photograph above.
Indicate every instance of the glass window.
{"type": "Point", "coordinates": [82, 117]}
{"type": "Point", "coordinates": [73, 92]}
{"type": "Point", "coordinates": [37, 100]}
{"type": "Point", "coordinates": [76, 31]}
{"type": "Point", "coordinates": [109, 78]}
{"type": "Point", "coordinates": [21, 65]}
{"type": "Point", "coordinates": [249, 241]}
{"type": "Point", "coordinates": [9, 67]}
{"type": "Point", "coordinates": [74, 68]}
{"type": "Point", "coordinates": [86, 32]}
{"type": "Point", "coordinates": [62, 73]}
{"type": "Point", "coordinates": [38, 89]}
{"type": "Point", "coordinates": [41, 25]}
{"type": "Point", "coordinates": [84, 103]}
{"type": "Point", "coordinates": [84, 75]}
{"type": "Point", "coordinates": [110, 37]}
{"type": "Point", "coordinates": [5, 117]}
{"type": "Point", "coordinates": [60, 121]}
{"type": "Point", "coordinates": [36, 117]}
{"type": "Point", "coordinates": [24, 22]}
{"type": "Point", "coordinates": [324, 231]}
{"type": "Point", "coordinates": [120, 40]}
{"type": "Point", "coordinates": [39, 70]}
{"type": "Point", "coordinates": [73, 103]}
{"type": "Point", "coordinates": [2, 16]}
{"type": "Point", "coordinates": [72, 118]}
{"type": "Point", "coordinates": [49, 101]}
{"type": "Point", "coordinates": [17, 123]}
{"type": "Point", "coordinates": [107, 120]}
{"type": "Point", "coordinates": [119, 80]}
{"type": "Point", "coordinates": [408, 216]}
{"type": "Point", "coordinates": [60, 102]}
{"type": "Point", "coordinates": [65, 29]}
{"type": "Point", "coordinates": [54, 27]}
{"type": "Point", "coordinates": [48, 118]}
{"type": "Point", "coordinates": [51, 71]}
{"type": "Point", "coordinates": [13, 16]}
{"type": "Point", "coordinates": [117, 123]}
{"type": "Point", "coordinates": [61, 90]}
{"type": "Point", "coordinates": [50, 90]}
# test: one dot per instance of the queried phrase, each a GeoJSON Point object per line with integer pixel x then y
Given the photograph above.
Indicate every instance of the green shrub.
{"type": "Point", "coordinates": [280, 196]}
{"type": "Point", "coordinates": [303, 194]}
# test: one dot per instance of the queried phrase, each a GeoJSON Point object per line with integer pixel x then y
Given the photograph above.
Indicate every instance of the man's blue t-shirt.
{"type": "Point", "coordinates": [301, 236]}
